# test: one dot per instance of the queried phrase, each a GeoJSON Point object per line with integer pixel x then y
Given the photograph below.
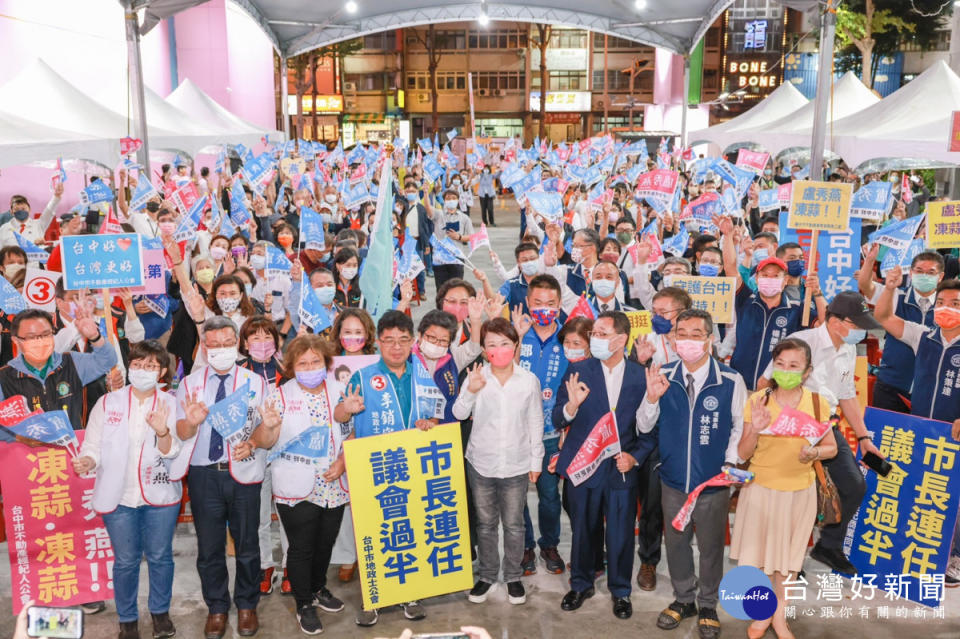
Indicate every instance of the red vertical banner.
{"type": "Point", "coordinates": [60, 553]}
{"type": "Point", "coordinates": [954, 145]}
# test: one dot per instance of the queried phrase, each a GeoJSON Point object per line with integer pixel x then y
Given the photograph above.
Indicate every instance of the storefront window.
{"type": "Point", "coordinates": [499, 127]}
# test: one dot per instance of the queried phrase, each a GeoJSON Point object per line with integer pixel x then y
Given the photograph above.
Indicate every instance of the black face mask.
{"type": "Point", "coordinates": [153, 207]}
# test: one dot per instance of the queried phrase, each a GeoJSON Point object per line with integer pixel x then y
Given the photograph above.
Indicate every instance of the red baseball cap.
{"type": "Point", "coordinates": [772, 260]}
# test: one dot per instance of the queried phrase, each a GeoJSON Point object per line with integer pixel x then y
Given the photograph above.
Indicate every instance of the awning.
{"type": "Point", "coordinates": [364, 118]}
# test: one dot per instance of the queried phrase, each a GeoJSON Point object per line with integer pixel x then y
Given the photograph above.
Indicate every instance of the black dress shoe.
{"type": "Point", "coordinates": [622, 608]}
{"type": "Point", "coordinates": [573, 599]}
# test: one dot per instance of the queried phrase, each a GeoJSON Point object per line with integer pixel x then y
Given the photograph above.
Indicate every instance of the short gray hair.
{"type": "Point", "coordinates": [219, 322]}
{"type": "Point", "coordinates": [682, 261]}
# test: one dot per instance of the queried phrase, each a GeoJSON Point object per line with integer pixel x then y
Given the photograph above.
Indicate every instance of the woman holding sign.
{"type": "Point", "coordinates": [306, 467]}
{"type": "Point", "coordinates": [784, 432]}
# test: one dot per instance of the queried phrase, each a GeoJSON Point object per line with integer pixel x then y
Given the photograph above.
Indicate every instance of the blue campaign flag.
{"type": "Point", "coordinates": [238, 207]}
{"type": "Point", "coordinates": [257, 167]}
{"type": "Point", "coordinates": [899, 234]}
{"type": "Point", "coordinates": [187, 228]}
{"type": "Point", "coordinates": [574, 173]}
{"type": "Point", "coordinates": [724, 169]}
{"type": "Point", "coordinates": [677, 245]}
{"type": "Point", "coordinates": [34, 252]}
{"type": "Point", "coordinates": [901, 257]}
{"type": "Point", "coordinates": [142, 194]}
{"type": "Point", "coordinates": [512, 174]}
{"type": "Point", "coordinates": [902, 534]}
{"type": "Point", "coordinates": [606, 164]}
{"type": "Point", "coordinates": [355, 195]}
{"type": "Point", "coordinates": [97, 192]}
{"type": "Point", "coordinates": [425, 145]}
{"type": "Point", "coordinates": [312, 444]}
{"type": "Point", "coordinates": [452, 133]}
{"type": "Point", "coordinates": [101, 261]}
{"type": "Point", "coordinates": [633, 173]}
{"type": "Point", "coordinates": [547, 204]}
{"type": "Point", "coordinates": [804, 173]}
{"type": "Point", "coordinates": [731, 203]}
{"type": "Point", "coordinates": [277, 261]}
{"type": "Point", "coordinates": [742, 179]}
{"type": "Point", "coordinates": [838, 255]}
{"type": "Point", "coordinates": [769, 200]}
{"type": "Point", "coordinates": [446, 252]}
{"type": "Point", "coordinates": [311, 229]}
{"type": "Point", "coordinates": [52, 427]}
{"type": "Point", "coordinates": [356, 155]}
{"type": "Point", "coordinates": [872, 200]}
{"type": "Point", "coordinates": [311, 311]}
{"type": "Point", "coordinates": [591, 175]}
{"type": "Point", "coordinates": [229, 416]}
{"type": "Point", "coordinates": [432, 169]}
{"type": "Point", "coordinates": [706, 206]}
{"type": "Point", "coordinates": [700, 168]}
{"type": "Point", "coordinates": [376, 280]}
{"type": "Point", "coordinates": [11, 302]}
{"type": "Point", "coordinates": [159, 304]}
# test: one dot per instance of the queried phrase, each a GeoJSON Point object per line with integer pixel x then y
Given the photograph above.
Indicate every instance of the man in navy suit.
{"type": "Point", "coordinates": [591, 389]}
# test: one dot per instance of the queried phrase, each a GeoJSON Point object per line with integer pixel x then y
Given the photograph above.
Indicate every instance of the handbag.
{"type": "Point", "coordinates": [828, 499]}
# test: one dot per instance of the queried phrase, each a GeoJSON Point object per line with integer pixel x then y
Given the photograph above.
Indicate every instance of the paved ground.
{"type": "Point", "coordinates": [541, 616]}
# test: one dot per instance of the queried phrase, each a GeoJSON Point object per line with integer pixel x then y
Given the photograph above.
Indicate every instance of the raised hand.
{"type": "Point", "coordinates": [84, 321]}
{"type": "Point", "coordinates": [475, 307]}
{"type": "Point", "coordinates": [195, 409]}
{"type": "Point", "coordinates": [760, 416]}
{"type": "Point", "coordinates": [495, 304]}
{"type": "Point", "coordinates": [475, 379]}
{"type": "Point", "coordinates": [353, 400]}
{"type": "Point", "coordinates": [894, 278]}
{"type": "Point", "coordinates": [657, 383]}
{"type": "Point", "coordinates": [577, 391]}
{"type": "Point", "coordinates": [521, 321]}
{"type": "Point", "coordinates": [296, 273]}
{"type": "Point", "coordinates": [406, 291]}
{"type": "Point", "coordinates": [813, 282]}
{"type": "Point", "coordinates": [644, 349]}
{"type": "Point", "coordinates": [196, 305]}
{"type": "Point", "coordinates": [269, 415]}
{"type": "Point", "coordinates": [157, 419]}
{"type": "Point", "coordinates": [229, 265]}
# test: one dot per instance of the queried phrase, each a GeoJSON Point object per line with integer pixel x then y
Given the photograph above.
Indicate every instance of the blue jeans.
{"type": "Point", "coordinates": [135, 533]}
{"type": "Point", "coordinates": [548, 506]}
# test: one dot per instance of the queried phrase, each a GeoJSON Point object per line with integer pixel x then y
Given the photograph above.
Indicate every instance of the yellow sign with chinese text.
{"type": "Point", "coordinates": [639, 325]}
{"type": "Point", "coordinates": [943, 225]}
{"type": "Point", "coordinates": [409, 502]}
{"type": "Point", "coordinates": [714, 295]}
{"type": "Point", "coordinates": [820, 206]}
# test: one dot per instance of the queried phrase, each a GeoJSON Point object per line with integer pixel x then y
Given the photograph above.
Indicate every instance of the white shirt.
{"type": "Point", "coordinates": [139, 430]}
{"type": "Point", "coordinates": [33, 228]}
{"type": "Point", "coordinates": [464, 353]}
{"type": "Point", "coordinates": [613, 379]}
{"type": "Point", "coordinates": [265, 286]}
{"type": "Point", "coordinates": [507, 436]}
{"type": "Point", "coordinates": [833, 367]}
{"type": "Point", "coordinates": [914, 332]}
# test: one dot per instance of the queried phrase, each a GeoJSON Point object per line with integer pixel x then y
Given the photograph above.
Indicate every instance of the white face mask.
{"type": "Point", "coordinates": [348, 273]}
{"type": "Point", "coordinates": [222, 359]}
{"type": "Point", "coordinates": [228, 304]}
{"type": "Point", "coordinates": [143, 380]}
{"type": "Point", "coordinates": [450, 204]}
{"type": "Point", "coordinates": [432, 351]}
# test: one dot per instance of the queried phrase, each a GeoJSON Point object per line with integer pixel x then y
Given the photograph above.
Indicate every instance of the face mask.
{"type": "Point", "coordinates": [855, 336]}
{"type": "Point", "coordinates": [760, 255]}
{"type": "Point", "coordinates": [12, 269]}
{"type": "Point", "coordinates": [37, 351]}
{"type": "Point", "coordinates": [544, 316]}
{"type": "Point", "coordinates": [690, 350]}
{"type": "Point", "coordinates": [218, 252]}
{"type": "Point", "coordinates": [286, 241]}
{"type": "Point", "coordinates": [486, 171]}
{"type": "Point", "coordinates": [574, 354]}
{"type": "Point", "coordinates": [258, 262]}
{"type": "Point", "coordinates": [946, 317]}
{"type": "Point", "coordinates": [167, 228]}
{"type": "Point", "coordinates": [923, 283]}
{"type": "Point", "coordinates": [576, 254]}
{"type": "Point", "coordinates": [325, 294]}
{"type": "Point", "coordinates": [262, 351]}
{"type": "Point", "coordinates": [787, 380]}
{"type": "Point", "coordinates": [205, 275]}
{"type": "Point", "coordinates": [530, 268]}
{"type": "Point", "coordinates": [460, 312]}
{"type": "Point", "coordinates": [795, 268]}
{"type": "Point", "coordinates": [709, 270]}
{"type": "Point", "coordinates": [450, 204]}
{"type": "Point", "coordinates": [98, 302]}
{"type": "Point", "coordinates": [432, 351]}
{"type": "Point", "coordinates": [330, 198]}
{"type": "Point", "coordinates": [624, 237]}
{"type": "Point", "coordinates": [153, 207]}
{"type": "Point", "coordinates": [767, 172]}
{"type": "Point", "coordinates": [604, 288]}
{"type": "Point", "coordinates": [500, 356]}
{"type": "Point", "coordinates": [311, 379]}
{"type": "Point", "coordinates": [397, 208]}
{"type": "Point", "coordinates": [352, 344]}
{"type": "Point", "coordinates": [348, 272]}
{"type": "Point", "coordinates": [21, 215]}
{"type": "Point", "coordinates": [228, 304]}
{"type": "Point", "coordinates": [143, 380]}
{"type": "Point", "coordinates": [668, 280]}
{"type": "Point", "coordinates": [661, 325]}
{"type": "Point", "coordinates": [769, 286]}
{"type": "Point", "coordinates": [411, 197]}
{"type": "Point", "coordinates": [222, 359]}
{"type": "Point", "coordinates": [600, 348]}
{"type": "Point", "coordinates": [456, 182]}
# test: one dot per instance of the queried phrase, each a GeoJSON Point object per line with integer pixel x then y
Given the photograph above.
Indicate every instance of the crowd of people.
{"type": "Point", "coordinates": [517, 363]}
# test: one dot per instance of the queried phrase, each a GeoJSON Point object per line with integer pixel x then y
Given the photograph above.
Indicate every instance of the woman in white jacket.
{"type": "Point", "coordinates": [131, 442]}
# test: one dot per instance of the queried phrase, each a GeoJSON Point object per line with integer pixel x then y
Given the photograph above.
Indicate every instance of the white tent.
{"type": "Point", "coordinates": [23, 142]}
{"type": "Point", "coordinates": [913, 122]}
{"type": "Point", "coordinates": [784, 100]}
{"type": "Point", "coordinates": [207, 112]}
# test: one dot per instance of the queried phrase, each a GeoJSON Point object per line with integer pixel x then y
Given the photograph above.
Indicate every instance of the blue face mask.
{"type": "Point", "coordinates": [21, 215]}
{"type": "Point", "coordinates": [709, 270]}
{"type": "Point", "coordinates": [855, 336]}
{"type": "Point", "coordinates": [795, 268]}
{"type": "Point", "coordinates": [604, 288]}
{"type": "Point", "coordinates": [760, 255]}
{"type": "Point", "coordinates": [661, 325]}
{"type": "Point", "coordinates": [311, 379]}
{"type": "Point", "coordinates": [411, 197]}
{"type": "Point", "coordinates": [325, 294]}
{"type": "Point", "coordinates": [600, 348]}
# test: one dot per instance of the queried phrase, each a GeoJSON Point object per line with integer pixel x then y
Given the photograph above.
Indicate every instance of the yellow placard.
{"type": "Point", "coordinates": [287, 166]}
{"type": "Point", "coordinates": [860, 380]}
{"type": "Point", "coordinates": [712, 294]}
{"type": "Point", "coordinates": [409, 502]}
{"type": "Point", "coordinates": [820, 206]}
{"type": "Point", "coordinates": [639, 325]}
{"type": "Point", "coordinates": [943, 225]}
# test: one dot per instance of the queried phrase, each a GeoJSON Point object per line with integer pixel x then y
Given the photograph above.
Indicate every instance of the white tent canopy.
{"type": "Point", "coordinates": [23, 142]}
{"type": "Point", "coordinates": [783, 101]}
{"type": "Point", "coordinates": [188, 98]}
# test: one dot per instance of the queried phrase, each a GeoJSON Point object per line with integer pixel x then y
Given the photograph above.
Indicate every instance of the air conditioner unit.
{"type": "Point", "coordinates": [483, 93]}
{"type": "Point", "coordinates": [350, 103]}
{"type": "Point", "coordinates": [350, 87]}
{"type": "Point", "coordinates": [423, 97]}
{"type": "Point", "coordinates": [501, 92]}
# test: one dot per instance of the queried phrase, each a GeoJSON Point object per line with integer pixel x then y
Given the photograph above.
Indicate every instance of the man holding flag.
{"type": "Point", "coordinates": [22, 223]}
{"type": "Point", "coordinates": [592, 390]}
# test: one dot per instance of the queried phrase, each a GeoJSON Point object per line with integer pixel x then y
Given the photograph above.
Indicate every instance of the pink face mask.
{"type": "Point", "coordinates": [352, 344]}
{"type": "Point", "coordinates": [690, 350]}
{"type": "Point", "coordinates": [458, 311]}
{"type": "Point", "coordinates": [262, 351]}
{"type": "Point", "coordinates": [769, 286]}
{"type": "Point", "coordinates": [500, 356]}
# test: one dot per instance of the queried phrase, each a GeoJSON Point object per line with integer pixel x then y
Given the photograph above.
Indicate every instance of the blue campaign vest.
{"type": "Point", "coordinates": [576, 281]}
{"type": "Point", "coordinates": [515, 292]}
{"type": "Point", "coordinates": [382, 413]}
{"type": "Point", "coordinates": [446, 378]}
{"type": "Point", "coordinates": [936, 379]}
{"type": "Point", "coordinates": [896, 366]}
{"type": "Point", "coordinates": [759, 329]}
{"type": "Point", "coordinates": [547, 361]}
{"type": "Point", "coordinates": [693, 447]}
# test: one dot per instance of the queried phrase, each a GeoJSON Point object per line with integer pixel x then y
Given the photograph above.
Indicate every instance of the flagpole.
{"type": "Point", "coordinates": [616, 429]}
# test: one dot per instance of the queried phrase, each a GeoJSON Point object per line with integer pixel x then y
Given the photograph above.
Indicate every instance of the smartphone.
{"type": "Point", "coordinates": [452, 226]}
{"type": "Point", "coordinates": [55, 623]}
{"type": "Point", "coordinates": [877, 464]}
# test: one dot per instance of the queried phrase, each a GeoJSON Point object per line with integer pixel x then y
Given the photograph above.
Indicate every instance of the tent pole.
{"type": "Point", "coordinates": [136, 84]}
{"type": "Point", "coordinates": [686, 102]}
{"type": "Point", "coordinates": [817, 143]}
{"type": "Point", "coordinates": [284, 107]}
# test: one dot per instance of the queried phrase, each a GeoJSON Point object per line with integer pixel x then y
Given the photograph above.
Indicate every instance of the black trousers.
{"type": "Point", "coordinates": [845, 472]}
{"type": "Point", "coordinates": [444, 272]}
{"type": "Point", "coordinates": [650, 521]}
{"type": "Point", "coordinates": [486, 209]}
{"type": "Point", "coordinates": [888, 397]}
{"type": "Point", "coordinates": [216, 500]}
{"type": "Point", "coordinates": [311, 531]}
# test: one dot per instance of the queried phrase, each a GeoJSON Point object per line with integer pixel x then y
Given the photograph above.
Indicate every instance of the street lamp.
{"type": "Point", "coordinates": [351, 6]}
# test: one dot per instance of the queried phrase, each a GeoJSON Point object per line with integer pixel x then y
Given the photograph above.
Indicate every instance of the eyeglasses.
{"type": "Point", "coordinates": [393, 342]}
{"type": "Point", "coordinates": [223, 345]}
{"type": "Point", "coordinates": [144, 367]}
{"type": "Point", "coordinates": [436, 341]}
{"type": "Point", "coordinates": [602, 335]}
{"type": "Point", "coordinates": [666, 313]}
{"type": "Point", "coordinates": [451, 302]}
{"type": "Point", "coordinates": [35, 338]}
{"type": "Point", "coordinates": [694, 335]}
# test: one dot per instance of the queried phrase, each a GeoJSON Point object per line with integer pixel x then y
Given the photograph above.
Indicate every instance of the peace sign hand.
{"type": "Point", "coordinates": [475, 379]}
{"type": "Point", "coordinates": [194, 409]}
{"type": "Point", "coordinates": [353, 400]}
{"type": "Point", "coordinates": [657, 384]}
